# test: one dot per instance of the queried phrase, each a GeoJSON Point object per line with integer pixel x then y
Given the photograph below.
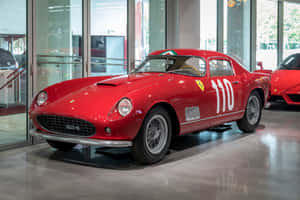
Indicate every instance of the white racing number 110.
{"type": "Point", "coordinates": [229, 92]}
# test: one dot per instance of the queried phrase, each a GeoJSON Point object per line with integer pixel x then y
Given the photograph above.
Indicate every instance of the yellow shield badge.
{"type": "Point", "coordinates": [200, 85]}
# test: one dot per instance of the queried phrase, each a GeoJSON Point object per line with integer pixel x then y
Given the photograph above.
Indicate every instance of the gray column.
{"type": "Point", "coordinates": [238, 32]}
{"type": "Point", "coordinates": [184, 19]}
{"type": "Point", "coordinates": [172, 24]}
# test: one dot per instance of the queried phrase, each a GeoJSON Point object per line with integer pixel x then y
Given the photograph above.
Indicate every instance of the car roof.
{"type": "Point", "coordinates": [190, 52]}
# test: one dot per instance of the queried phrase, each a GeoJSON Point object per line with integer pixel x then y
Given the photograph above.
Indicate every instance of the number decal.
{"type": "Point", "coordinates": [230, 97]}
{"type": "Point", "coordinates": [229, 92]}
{"type": "Point", "coordinates": [223, 94]}
{"type": "Point", "coordinates": [214, 85]}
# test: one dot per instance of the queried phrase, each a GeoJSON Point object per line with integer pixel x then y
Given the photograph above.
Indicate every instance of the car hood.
{"type": "Point", "coordinates": [284, 79]}
{"type": "Point", "coordinates": [97, 100]}
{"type": "Point", "coordinates": [130, 79]}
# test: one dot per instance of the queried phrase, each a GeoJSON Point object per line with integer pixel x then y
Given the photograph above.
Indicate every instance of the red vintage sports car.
{"type": "Point", "coordinates": [173, 92]}
{"type": "Point", "coordinates": [285, 81]}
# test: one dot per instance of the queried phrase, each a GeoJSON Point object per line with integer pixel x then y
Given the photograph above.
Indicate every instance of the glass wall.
{"type": "Point", "coordinates": [58, 41]}
{"type": "Point", "coordinates": [208, 24]}
{"type": "Point", "coordinates": [291, 29]}
{"type": "Point", "coordinates": [13, 77]}
{"type": "Point", "coordinates": [267, 29]}
{"type": "Point", "coordinates": [108, 37]}
{"type": "Point", "coordinates": [237, 29]}
{"type": "Point", "coordinates": [150, 26]}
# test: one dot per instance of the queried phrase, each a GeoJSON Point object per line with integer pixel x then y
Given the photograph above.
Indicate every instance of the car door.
{"type": "Point", "coordinates": [225, 85]}
{"type": "Point", "coordinates": [196, 106]}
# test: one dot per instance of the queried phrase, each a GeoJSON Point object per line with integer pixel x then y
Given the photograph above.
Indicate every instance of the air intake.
{"type": "Point", "coordinates": [107, 84]}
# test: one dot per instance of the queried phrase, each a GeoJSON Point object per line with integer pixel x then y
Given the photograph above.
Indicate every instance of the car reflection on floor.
{"type": "Point", "coordinates": [181, 148]}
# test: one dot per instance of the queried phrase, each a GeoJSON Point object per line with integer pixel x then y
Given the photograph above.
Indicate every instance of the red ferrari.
{"type": "Point", "coordinates": [285, 82]}
{"type": "Point", "coordinates": [173, 92]}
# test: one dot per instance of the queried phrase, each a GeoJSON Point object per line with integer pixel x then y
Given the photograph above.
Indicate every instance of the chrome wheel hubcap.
{"type": "Point", "coordinates": [253, 110]}
{"type": "Point", "coordinates": [156, 134]}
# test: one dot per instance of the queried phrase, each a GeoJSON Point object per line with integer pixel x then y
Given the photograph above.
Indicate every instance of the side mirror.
{"type": "Point", "coordinates": [260, 64]}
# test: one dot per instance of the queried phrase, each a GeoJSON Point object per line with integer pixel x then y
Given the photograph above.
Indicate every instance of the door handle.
{"type": "Point", "coordinates": [235, 82]}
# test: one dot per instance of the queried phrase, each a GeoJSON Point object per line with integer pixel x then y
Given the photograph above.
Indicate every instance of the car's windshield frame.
{"type": "Point", "coordinates": [169, 57]}
{"type": "Point", "coordinates": [286, 63]}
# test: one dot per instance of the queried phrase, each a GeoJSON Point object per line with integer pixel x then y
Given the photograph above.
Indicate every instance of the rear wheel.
{"type": "Point", "coordinates": [62, 146]}
{"type": "Point", "coordinates": [153, 140]}
{"type": "Point", "coordinates": [252, 115]}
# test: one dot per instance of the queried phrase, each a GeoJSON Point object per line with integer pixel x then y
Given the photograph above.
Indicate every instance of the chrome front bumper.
{"type": "Point", "coordinates": [83, 141]}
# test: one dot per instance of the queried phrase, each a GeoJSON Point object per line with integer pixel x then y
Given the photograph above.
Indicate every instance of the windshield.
{"type": "Point", "coordinates": [186, 65]}
{"type": "Point", "coordinates": [291, 63]}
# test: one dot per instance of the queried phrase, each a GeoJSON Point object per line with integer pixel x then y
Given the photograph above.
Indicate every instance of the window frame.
{"type": "Point", "coordinates": [190, 56]}
{"type": "Point", "coordinates": [223, 59]}
{"type": "Point", "coordinates": [205, 63]}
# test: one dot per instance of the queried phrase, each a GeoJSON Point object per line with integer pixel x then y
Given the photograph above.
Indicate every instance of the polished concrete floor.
{"type": "Point", "coordinates": [217, 164]}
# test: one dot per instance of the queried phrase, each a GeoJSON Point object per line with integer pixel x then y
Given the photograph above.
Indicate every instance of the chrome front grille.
{"type": "Point", "coordinates": [66, 125]}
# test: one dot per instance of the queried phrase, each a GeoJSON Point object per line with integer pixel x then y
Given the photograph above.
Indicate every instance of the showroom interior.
{"type": "Point", "coordinates": [44, 42]}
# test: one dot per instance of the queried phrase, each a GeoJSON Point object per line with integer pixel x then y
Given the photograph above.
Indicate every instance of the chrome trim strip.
{"type": "Point", "coordinates": [83, 141]}
{"type": "Point", "coordinates": [208, 118]}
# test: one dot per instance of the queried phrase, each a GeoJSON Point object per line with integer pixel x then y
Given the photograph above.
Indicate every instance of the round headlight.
{"type": "Point", "coordinates": [124, 107]}
{"type": "Point", "coordinates": [41, 98]}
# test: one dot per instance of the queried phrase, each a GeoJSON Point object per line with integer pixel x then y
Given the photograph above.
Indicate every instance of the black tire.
{"type": "Point", "coordinates": [141, 150]}
{"type": "Point", "coordinates": [61, 146]}
{"type": "Point", "coordinates": [245, 124]}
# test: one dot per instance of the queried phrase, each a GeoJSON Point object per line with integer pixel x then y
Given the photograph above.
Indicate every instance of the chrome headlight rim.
{"type": "Point", "coordinates": [41, 98]}
{"type": "Point", "coordinates": [122, 107]}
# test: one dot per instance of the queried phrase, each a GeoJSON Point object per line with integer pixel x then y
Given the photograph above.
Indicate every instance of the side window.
{"type": "Point", "coordinates": [195, 65]}
{"type": "Point", "coordinates": [220, 68]}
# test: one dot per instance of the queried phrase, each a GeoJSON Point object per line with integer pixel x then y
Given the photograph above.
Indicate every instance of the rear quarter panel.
{"type": "Point", "coordinates": [251, 81]}
{"type": "Point", "coordinates": [256, 80]}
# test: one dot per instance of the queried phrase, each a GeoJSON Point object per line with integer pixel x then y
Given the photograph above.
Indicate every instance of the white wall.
{"type": "Point", "coordinates": [12, 16]}
{"type": "Point", "coordinates": [108, 17]}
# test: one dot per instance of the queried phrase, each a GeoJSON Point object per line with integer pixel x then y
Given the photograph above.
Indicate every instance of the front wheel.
{"type": "Point", "coordinates": [153, 140]}
{"type": "Point", "coordinates": [252, 115]}
{"type": "Point", "coordinates": [62, 146]}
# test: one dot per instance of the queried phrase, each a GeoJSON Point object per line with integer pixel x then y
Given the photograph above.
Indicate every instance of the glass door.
{"type": "Point", "coordinates": [59, 42]}
{"type": "Point", "coordinates": [108, 37]}
{"type": "Point", "coordinates": [150, 27]}
{"type": "Point", "coordinates": [13, 72]}
{"type": "Point", "coordinates": [208, 25]}
{"type": "Point", "coordinates": [267, 34]}
{"type": "Point", "coordinates": [291, 29]}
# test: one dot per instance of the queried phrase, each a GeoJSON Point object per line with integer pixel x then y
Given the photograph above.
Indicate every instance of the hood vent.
{"type": "Point", "coordinates": [107, 84]}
